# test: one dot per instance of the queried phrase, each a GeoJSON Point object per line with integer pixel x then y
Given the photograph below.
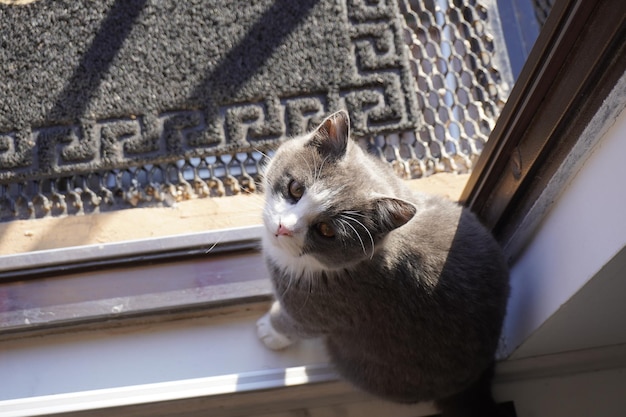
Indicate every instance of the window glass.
{"type": "Point", "coordinates": [124, 126]}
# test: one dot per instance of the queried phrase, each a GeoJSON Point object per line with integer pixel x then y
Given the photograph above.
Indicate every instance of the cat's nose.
{"type": "Point", "coordinates": [283, 231]}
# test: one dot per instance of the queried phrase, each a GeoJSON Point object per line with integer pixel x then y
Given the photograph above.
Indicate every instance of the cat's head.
{"type": "Point", "coordinates": [327, 205]}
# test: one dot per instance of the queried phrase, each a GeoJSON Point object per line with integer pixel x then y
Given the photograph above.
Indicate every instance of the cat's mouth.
{"type": "Point", "coordinates": [286, 240]}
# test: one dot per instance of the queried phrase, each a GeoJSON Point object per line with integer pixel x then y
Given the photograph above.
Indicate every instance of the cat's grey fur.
{"type": "Point", "coordinates": [409, 293]}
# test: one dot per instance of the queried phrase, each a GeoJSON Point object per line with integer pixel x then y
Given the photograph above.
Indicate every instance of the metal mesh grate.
{"type": "Point", "coordinates": [461, 71]}
{"type": "Point", "coordinates": [463, 77]}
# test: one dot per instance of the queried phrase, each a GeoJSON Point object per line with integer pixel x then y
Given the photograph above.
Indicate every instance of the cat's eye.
{"type": "Point", "coordinates": [325, 230]}
{"type": "Point", "coordinates": [296, 190]}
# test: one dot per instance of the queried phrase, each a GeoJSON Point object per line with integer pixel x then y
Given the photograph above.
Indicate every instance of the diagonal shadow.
{"type": "Point", "coordinates": [243, 61]}
{"type": "Point", "coordinates": [79, 89]}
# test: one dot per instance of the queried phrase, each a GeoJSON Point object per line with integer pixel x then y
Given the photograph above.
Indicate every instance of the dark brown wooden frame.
{"type": "Point", "coordinates": [575, 63]}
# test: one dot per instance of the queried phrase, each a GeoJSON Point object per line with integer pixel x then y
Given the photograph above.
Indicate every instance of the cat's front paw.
{"type": "Point", "coordinates": [270, 336]}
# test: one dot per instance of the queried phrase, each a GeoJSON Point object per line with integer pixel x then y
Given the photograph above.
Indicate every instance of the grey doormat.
{"type": "Point", "coordinates": [145, 101]}
{"type": "Point", "coordinates": [91, 85]}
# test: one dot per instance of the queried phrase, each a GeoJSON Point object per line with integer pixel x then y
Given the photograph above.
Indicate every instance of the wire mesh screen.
{"type": "Point", "coordinates": [445, 59]}
{"type": "Point", "coordinates": [459, 61]}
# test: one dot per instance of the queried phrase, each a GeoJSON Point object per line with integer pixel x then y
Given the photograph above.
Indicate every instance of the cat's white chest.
{"type": "Point", "coordinates": [290, 260]}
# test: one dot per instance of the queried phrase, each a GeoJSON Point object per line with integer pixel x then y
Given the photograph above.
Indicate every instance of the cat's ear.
{"type": "Point", "coordinates": [331, 137]}
{"type": "Point", "coordinates": [393, 213]}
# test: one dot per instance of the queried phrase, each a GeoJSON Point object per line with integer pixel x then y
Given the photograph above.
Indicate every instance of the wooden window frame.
{"type": "Point", "coordinates": [577, 60]}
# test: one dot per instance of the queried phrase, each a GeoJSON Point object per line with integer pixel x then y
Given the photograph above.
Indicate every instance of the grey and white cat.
{"type": "Point", "coordinates": [408, 290]}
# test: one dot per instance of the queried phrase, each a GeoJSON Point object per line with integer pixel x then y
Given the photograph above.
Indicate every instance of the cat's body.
{"type": "Point", "coordinates": [408, 290]}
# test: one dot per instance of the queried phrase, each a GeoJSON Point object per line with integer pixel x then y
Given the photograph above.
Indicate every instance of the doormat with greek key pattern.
{"type": "Point", "coordinates": [132, 102]}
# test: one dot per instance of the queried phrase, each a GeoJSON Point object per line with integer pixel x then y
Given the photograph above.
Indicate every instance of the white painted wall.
{"type": "Point", "coordinates": [583, 231]}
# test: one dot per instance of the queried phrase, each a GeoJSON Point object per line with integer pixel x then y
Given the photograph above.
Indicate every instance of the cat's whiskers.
{"type": "Point", "coordinates": [212, 247]}
{"type": "Point", "coordinates": [345, 216]}
{"type": "Point", "coordinates": [319, 172]}
{"type": "Point", "coordinates": [288, 285]}
{"type": "Point", "coordinates": [263, 165]}
{"type": "Point", "coordinates": [262, 153]}
{"type": "Point", "coordinates": [246, 217]}
{"type": "Point", "coordinates": [314, 172]}
{"type": "Point", "coordinates": [311, 281]}
{"type": "Point", "coordinates": [256, 212]}
{"type": "Point", "coordinates": [355, 232]}
{"type": "Point", "coordinates": [311, 170]}
{"type": "Point", "coordinates": [308, 294]}
{"type": "Point", "coordinates": [263, 162]}
{"type": "Point", "coordinates": [219, 240]}
{"type": "Point", "coordinates": [257, 205]}
{"type": "Point", "coordinates": [343, 227]}
{"type": "Point", "coordinates": [355, 213]}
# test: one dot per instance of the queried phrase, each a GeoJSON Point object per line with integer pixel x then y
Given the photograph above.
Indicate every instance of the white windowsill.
{"type": "Point", "coordinates": [167, 391]}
